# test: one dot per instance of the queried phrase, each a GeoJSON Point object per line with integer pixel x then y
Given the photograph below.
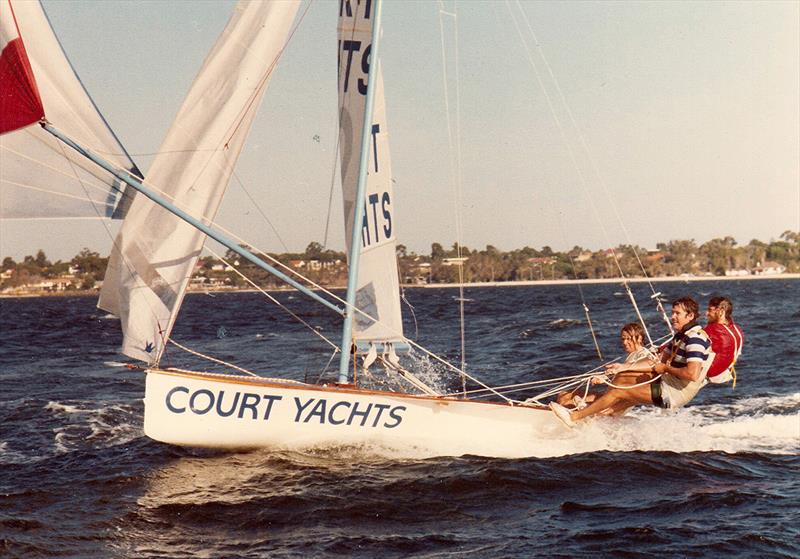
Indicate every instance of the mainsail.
{"type": "Point", "coordinates": [155, 252]}
{"type": "Point", "coordinates": [378, 289]}
{"type": "Point", "coordinates": [39, 177]}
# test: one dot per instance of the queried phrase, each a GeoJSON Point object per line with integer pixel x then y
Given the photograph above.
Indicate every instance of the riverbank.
{"type": "Point", "coordinates": [664, 279]}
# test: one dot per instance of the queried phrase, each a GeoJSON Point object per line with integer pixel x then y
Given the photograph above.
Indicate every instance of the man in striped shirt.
{"type": "Point", "coordinates": [682, 369]}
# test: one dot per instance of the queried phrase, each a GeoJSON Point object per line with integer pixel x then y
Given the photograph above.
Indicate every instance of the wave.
{"type": "Point", "coordinates": [87, 424]}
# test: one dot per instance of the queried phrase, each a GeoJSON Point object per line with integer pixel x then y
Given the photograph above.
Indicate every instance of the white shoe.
{"type": "Point", "coordinates": [579, 402]}
{"type": "Point", "coordinates": [562, 414]}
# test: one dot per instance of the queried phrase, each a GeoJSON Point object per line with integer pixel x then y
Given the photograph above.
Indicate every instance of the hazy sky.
{"type": "Point", "coordinates": [688, 111]}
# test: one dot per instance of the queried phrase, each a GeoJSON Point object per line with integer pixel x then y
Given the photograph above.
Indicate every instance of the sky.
{"type": "Point", "coordinates": [639, 123]}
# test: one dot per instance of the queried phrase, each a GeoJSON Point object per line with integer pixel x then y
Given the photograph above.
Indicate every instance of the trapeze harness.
{"type": "Point", "coordinates": [730, 372]}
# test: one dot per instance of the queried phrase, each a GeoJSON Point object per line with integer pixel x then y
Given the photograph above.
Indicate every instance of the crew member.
{"type": "Point", "coordinates": [682, 368]}
{"type": "Point", "coordinates": [726, 340]}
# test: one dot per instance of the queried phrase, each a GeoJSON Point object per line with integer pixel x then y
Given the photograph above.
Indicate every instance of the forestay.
{"type": "Point", "coordinates": [378, 290]}
{"type": "Point", "coordinates": [39, 178]}
{"type": "Point", "coordinates": [155, 252]}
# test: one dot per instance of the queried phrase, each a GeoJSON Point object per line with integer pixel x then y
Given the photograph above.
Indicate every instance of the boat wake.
{"type": "Point", "coordinates": [768, 425]}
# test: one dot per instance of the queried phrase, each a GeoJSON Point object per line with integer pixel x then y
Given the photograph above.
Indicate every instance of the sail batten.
{"type": "Point", "coordinates": [155, 252]}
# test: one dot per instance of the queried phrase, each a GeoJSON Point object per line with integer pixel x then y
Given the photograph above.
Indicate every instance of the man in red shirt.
{"type": "Point", "coordinates": [726, 340]}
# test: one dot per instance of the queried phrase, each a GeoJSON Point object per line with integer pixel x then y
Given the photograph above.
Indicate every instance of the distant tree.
{"type": "Point", "coordinates": [437, 252]}
{"type": "Point", "coordinates": [41, 260]}
{"type": "Point", "coordinates": [314, 250]}
{"type": "Point", "coordinates": [8, 263]}
{"type": "Point", "coordinates": [90, 262]}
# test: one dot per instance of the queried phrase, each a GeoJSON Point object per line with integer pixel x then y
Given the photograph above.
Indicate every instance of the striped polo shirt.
{"type": "Point", "coordinates": [692, 345]}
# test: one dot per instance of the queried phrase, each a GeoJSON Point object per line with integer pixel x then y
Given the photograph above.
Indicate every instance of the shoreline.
{"type": "Point", "coordinates": [523, 283]}
{"type": "Point", "coordinates": [660, 279]}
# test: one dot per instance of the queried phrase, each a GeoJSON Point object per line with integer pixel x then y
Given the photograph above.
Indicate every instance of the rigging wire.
{"type": "Point", "coordinates": [276, 302]}
{"type": "Point", "coordinates": [260, 210]}
{"type": "Point", "coordinates": [590, 158]}
{"type": "Point", "coordinates": [115, 246]}
{"type": "Point", "coordinates": [455, 165]}
{"type": "Point", "coordinates": [213, 359]}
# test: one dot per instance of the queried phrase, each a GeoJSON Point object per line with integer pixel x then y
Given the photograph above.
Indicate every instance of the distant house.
{"type": "Point", "coordinates": [542, 260]}
{"type": "Point", "coordinates": [418, 273]}
{"type": "Point", "coordinates": [769, 268]}
{"type": "Point", "coordinates": [456, 261]}
{"type": "Point", "coordinates": [57, 284]}
{"type": "Point", "coordinates": [584, 256]}
{"type": "Point", "coordinates": [739, 272]}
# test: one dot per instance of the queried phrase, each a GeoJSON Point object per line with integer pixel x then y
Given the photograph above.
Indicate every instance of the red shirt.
{"type": "Point", "coordinates": [724, 342]}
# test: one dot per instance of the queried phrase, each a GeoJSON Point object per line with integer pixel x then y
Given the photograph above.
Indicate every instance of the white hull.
{"type": "Point", "coordinates": [217, 411]}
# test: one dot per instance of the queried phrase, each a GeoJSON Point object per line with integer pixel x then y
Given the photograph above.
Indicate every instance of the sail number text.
{"type": "Point", "coordinates": [376, 226]}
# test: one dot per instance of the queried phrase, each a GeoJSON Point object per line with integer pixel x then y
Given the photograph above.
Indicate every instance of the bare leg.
{"type": "Point", "coordinates": [625, 379]}
{"type": "Point", "coordinates": [615, 397]}
{"type": "Point", "coordinates": [618, 409]}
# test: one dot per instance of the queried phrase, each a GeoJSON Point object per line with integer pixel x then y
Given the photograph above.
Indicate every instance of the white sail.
{"type": "Point", "coordinates": [155, 252]}
{"type": "Point", "coordinates": [378, 289]}
{"type": "Point", "coordinates": [40, 177]}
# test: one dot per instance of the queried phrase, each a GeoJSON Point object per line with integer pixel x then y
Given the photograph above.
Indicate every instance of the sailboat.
{"type": "Point", "coordinates": [172, 214]}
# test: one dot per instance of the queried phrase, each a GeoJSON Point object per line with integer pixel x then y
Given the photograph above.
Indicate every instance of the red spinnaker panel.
{"type": "Point", "coordinates": [20, 104]}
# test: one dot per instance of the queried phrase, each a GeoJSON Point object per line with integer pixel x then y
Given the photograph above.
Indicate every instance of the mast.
{"type": "Point", "coordinates": [358, 206]}
{"type": "Point", "coordinates": [220, 238]}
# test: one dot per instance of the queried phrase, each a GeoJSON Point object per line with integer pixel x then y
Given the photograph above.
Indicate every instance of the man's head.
{"type": "Point", "coordinates": [720, 309]}
{"type": "Point", "coordinates": [684, 311]}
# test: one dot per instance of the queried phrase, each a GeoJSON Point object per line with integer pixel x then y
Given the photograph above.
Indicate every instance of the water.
{"type": "Point", "coordinates": [718, 478]}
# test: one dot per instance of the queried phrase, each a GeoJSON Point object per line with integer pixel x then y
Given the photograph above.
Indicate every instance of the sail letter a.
{"type": "Point", "coordinates": [20, 104]}
{"type": "Point", "coordinates": [155, 252]}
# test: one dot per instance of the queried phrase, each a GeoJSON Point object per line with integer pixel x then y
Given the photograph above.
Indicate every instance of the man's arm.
{"type": "Point", "coordinates": [690, 372]}
{"type": "Point", "coordinates": [640, 366]}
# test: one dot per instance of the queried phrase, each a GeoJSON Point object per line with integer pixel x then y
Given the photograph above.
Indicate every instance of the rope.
{"type": "Point", "coordinates": [629, 386]}
{"type": "Point", "coordinates": [328, 364]}
{"type": "Point", "coordinates": [638, 314]}
{"type": "Point", "coordinates": [214, 359]}
{"type": "Point", "coordinates": [278, 303]}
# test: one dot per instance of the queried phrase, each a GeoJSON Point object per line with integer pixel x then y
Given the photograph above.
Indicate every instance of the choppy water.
{"type": "Point", "coordinates": [718, 478]}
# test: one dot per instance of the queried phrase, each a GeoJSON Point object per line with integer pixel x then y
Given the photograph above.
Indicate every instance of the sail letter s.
{"type": "Point", "coordinates": [362, 82]}
{"type": "Point", "coordinates": [387, 215]}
